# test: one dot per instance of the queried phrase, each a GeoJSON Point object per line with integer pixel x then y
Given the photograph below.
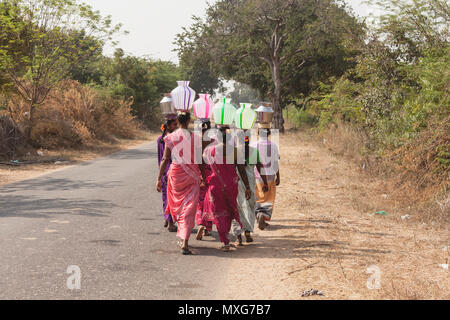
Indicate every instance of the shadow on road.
{"type": "Point", "coordinates": [54, 184]}
{"type": "Point", "coordinates": [135, 154]}
{"type": "Point", "coordinates": [32, 207]}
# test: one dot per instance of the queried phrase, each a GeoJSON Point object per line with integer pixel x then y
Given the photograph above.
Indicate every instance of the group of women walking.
{"type": "Point", "coordinates": [223, 193]}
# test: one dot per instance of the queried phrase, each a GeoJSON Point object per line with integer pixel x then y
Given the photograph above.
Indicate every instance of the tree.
{"type": "Point", "coordinates": [270, 44]}
{"type": "Point", "coordinates": [409, 28]}
{"type": "Point", "coordinates": [195, 58]}
{"type": "Point", "coordinates": [56, 36]}
{"type": "Point", "coordinates": [140, 78]}
{"type": "Point", "coordinates": [399, 85]}
{"type": "Point", "coordinates": [403, 66]}
{"type": "Point", "coordinates": [243, 93]}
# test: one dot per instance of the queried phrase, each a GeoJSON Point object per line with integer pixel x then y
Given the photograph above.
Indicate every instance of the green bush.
{"type": "Point", "coordinates": [300, 117]}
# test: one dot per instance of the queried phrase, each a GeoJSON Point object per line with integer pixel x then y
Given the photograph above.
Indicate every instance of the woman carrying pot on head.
{"type": "Point", "coordinates": [267, 178]}
{"type": "Point", "coordinates": [204, 221]}
{"type": "Point", "coordinates": [167, 128]}
{"type": "Point", "coordinates": [221, 196]}
{"type": "Point", "coordinates": [184, 178]}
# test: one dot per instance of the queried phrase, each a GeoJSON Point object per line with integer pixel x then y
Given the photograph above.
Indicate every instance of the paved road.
{"type": "Point", "coordinates": [104, 217]}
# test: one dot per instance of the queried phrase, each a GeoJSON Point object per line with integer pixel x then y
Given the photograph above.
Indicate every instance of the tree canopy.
{"type": "Point", "coordinates": [279, 47]}
{"type": "Point", "coordinates": [42, 40]}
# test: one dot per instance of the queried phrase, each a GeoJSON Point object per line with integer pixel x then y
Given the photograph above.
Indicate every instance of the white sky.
{"type": "Point", "coordinates": [153, 24]}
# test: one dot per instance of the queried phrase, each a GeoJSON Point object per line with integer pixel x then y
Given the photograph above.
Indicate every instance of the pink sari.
{"type": "Point", "coordinates": [183, 186]}
{"type": "Point", "coordinates": [202, 218]}
{"type": "Point", "coordinates": [221, 197]}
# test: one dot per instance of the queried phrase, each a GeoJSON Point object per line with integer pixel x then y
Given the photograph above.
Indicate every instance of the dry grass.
{"type": "Point", "coordinates": [413, 174]}
{"type": "Point", "coordinates": [422, 171]}
{"type": "Point", "coordinates": [11, 138]}
{"type": "Point", "coordinates": [347, 141]}
{"type": "Point", "coordinates": [76, 123]}
{"type": "Point", "coordinates": [75, 115]}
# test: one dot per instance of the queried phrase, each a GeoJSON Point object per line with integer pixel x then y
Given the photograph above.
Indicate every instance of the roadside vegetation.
{"type": "Point", "coordinates": [58, 89]}
{"type": "Point", "coordinates": [391, 111]}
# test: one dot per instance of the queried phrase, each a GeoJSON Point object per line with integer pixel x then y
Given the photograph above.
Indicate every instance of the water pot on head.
{"type": "Point", "coordinates": [245, 117]}
{"type": "Point", "coordinates": [203, 107]}
{"type": "Point", "coordinates": [183, 96]}
{"type": "Point", "coordinates": [224, 113]}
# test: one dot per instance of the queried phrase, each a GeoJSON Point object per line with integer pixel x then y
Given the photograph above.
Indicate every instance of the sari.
{"type": "Point", "coordinates": [221, 197]}
{"type": "Point", "coordinates": [269, 157]}
{"type": "Point", "coordinates": [161, 146]}
{"type": "Point", "coordinates": [183, 186]}
{"type": "Point", "coordinates": [246, 207]}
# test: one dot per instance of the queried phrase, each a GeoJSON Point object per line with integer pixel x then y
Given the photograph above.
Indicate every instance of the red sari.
{"type": "Point", "coordinates": [183, 186]}
{"type": "Point", "coordinates": [221, 197]}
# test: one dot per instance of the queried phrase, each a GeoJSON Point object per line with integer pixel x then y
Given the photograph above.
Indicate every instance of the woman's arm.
{"type": "Point", "coordinates": [259, 166]}
{"type": "Point", "coordinates": [162, 168]}
{"type": "Point", "coordinates": [159, 151]}
{"type": "Point", "coordinates": [243, 174]}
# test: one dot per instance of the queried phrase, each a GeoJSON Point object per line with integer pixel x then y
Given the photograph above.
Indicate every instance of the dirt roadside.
{"type": "Point", "coordinates": [10, 174]}
{"type": "Point", "coordinates": [325, 235]}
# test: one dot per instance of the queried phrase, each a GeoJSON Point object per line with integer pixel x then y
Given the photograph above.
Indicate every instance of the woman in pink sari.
{"type": "Point", "coordinates": [204, 221]}
{"type": "Point", "coordinates": [184, 180]}
{"type": "Point", "coordinates": [221, 197]}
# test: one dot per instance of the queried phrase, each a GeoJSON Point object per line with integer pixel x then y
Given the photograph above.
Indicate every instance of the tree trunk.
{"type": "Point", "coordinates": [287, 114]}
{"type": "Point", "coordinates": [278, 121]}
{"type": "Point", "coordinates": [30, 122]}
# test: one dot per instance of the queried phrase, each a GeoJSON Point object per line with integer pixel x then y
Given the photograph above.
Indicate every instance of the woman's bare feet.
{"type": "Point", "coordinates": [239, 241]}
{"type": "Point", "coordinates": [226, 248]}
{"type": "Point", "coordinates": [185, 248]}
{"type": "Point", "coordinates": [186, 252]}
{"type": "Point", "coordinates": [248, 237]}
{"type": "Point", "coordinates": [200, 232]}
{"type": "Point", "coordinates": [172, 227]}
{"type": "Point", "coordinates": [261, 221]}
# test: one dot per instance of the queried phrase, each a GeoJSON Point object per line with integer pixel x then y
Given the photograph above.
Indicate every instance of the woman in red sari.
{"type": "Point", "coordinates": [184, 178]}
{"type": "Point", "coordinates": [221, 197]}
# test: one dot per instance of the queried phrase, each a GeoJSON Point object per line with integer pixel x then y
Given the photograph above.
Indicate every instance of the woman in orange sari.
{"type": "Point", "coordinates": [184, 178]}
{"type": "Point", "coordinates": [267, 178]}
